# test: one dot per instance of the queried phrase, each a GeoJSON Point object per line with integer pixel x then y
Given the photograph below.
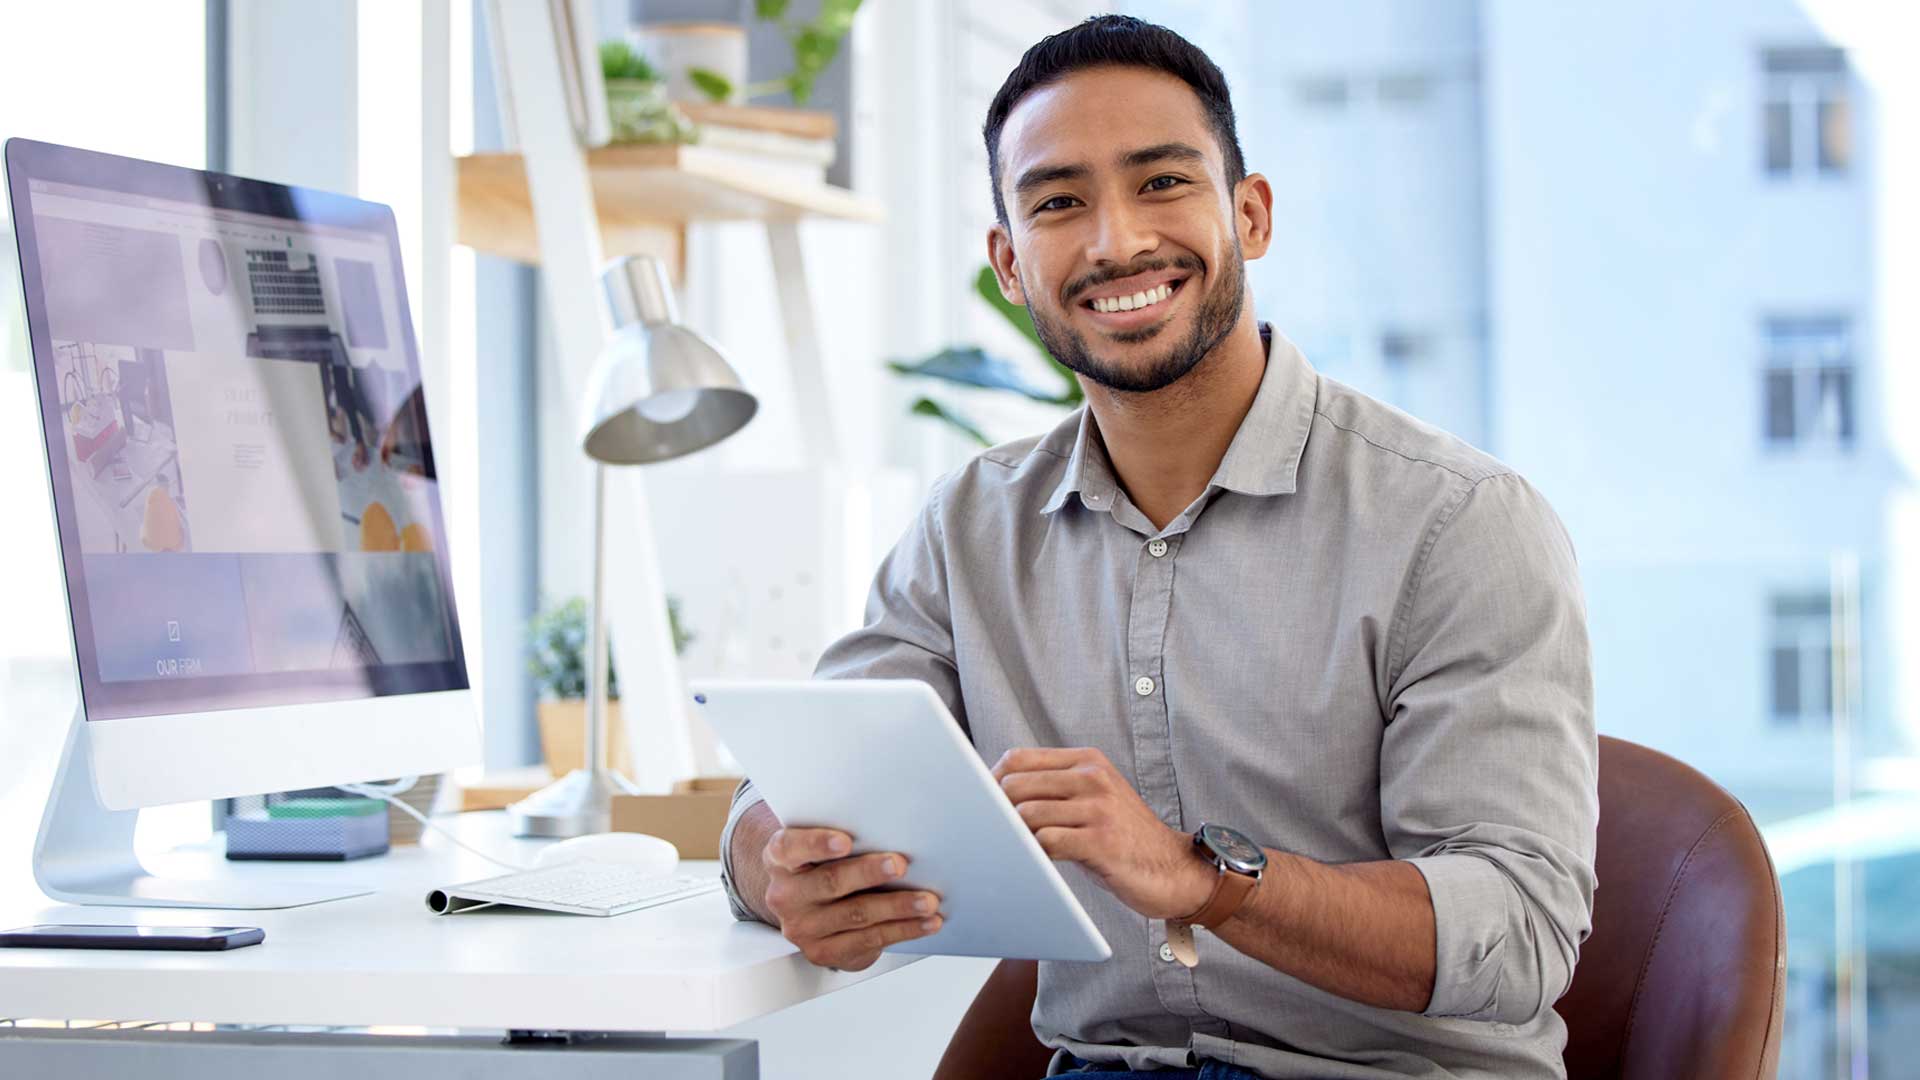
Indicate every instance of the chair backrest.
{"type": "Point", "coordinates": [1683, 975]}
{"type": "Point", "coordinates": [1685, 971]}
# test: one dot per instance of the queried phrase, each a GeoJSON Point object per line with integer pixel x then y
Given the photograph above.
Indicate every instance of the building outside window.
{"type": "Point", "coordinates": [1800, 659]}
{"type": "Point", "coordinates": [1321, 92]}
{"type": "Point", "coordinates": [1809, 382]}
{"type": "Point", "coordinates": [1806, 113]}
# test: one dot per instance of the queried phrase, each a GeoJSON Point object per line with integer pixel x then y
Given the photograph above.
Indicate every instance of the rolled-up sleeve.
{"type": "Point", "coordinates": [1489, 761]}
{"type": "Point", "coordinates": [908, 635]}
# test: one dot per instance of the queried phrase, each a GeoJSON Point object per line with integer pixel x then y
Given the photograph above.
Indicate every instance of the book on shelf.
{"type": "Point", "coordinates": [795, 144]}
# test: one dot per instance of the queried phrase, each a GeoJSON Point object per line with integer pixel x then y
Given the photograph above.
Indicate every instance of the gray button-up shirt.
{"type": "Point", "coordinates": [1365, 640]}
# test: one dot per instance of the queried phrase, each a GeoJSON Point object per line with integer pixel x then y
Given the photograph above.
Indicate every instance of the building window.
{"type": "Point", "coordinates": [1800, 662]}
{"type": "Point", "coordinates": [1806, 117]}
{"type": "Point", "coordinates": [1402, 348]}
{"type": "Point", "coordinates": [1321, 92]}
{"type": "Point", "coordinates": [1809, 382]}
{"type": "Point", "coordinates": [1405, 88]}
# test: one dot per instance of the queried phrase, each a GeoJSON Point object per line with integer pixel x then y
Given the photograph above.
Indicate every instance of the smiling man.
{"type": "Point", "coordinates": [1296, 686]}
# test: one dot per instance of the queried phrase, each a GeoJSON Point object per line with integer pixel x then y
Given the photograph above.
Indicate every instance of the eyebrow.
{"type": "Point", "coordinates": [1041, 175]}
{"type": "Point", "coordinates": [1172, 151]}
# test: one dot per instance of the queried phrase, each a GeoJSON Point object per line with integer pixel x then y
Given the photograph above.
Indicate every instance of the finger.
{"type": "Point", "coordinates": [1031, 758]}
{"type": "Point", "coordinates": [794, 849]}
{"type": "Point", "coordinates": [1066, 843]}
{"type": "Point", "coordinates": [1042, 813]}
{"type": "Point", "coordinates": [829, 881]}
{"type": "Point", "coordinates": [865, 910]}
{"type": "Point", "coordinates": [856, 950]}
{"type": "Point", "coordinates": [1053, 784]}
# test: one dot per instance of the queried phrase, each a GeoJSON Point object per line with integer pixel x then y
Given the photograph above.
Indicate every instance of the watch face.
{"type": "Point", "coordinates": [1236, 851]}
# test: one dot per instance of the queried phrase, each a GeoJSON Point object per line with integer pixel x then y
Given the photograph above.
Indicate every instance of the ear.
{"type": "Point", "coordinates": [1253, 215]}
{"type": "Point", "coordinates": [1006, 268]}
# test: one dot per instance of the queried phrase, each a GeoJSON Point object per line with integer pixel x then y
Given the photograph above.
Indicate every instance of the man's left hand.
{"type": "Point", "coordinates": [1082, 810]}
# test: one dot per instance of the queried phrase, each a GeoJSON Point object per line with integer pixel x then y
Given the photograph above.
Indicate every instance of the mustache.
{"type": "Point", "coordinates": [1100, 277]}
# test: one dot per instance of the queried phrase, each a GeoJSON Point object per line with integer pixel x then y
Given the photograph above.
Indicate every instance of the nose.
{"type": "Point", "coordinates": [1120, 234]}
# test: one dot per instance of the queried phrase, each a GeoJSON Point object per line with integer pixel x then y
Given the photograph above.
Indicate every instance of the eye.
{"type": "Point", "coordinates": [1058, 202]}
{"type": "Point", "coordinates": [1163, 183]}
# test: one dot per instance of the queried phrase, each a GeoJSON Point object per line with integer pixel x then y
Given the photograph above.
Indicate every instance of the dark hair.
{"type": "Point", "coordinates": [1104, 40]}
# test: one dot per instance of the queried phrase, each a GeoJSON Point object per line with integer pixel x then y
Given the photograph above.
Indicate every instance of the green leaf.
{"type": "Point", "coordinates": [836, 16]}
{"type": "Point", "coordinates": [770, 9]}
{"type": "Point", "coordinates": [987, 287]}
{"type": "Point", "coordinates": [971, 366]}
{"type": "Point", "coordinates": [557, 648]}
{"type": "Point", "coordinates": [716, 86]}
{"type": "Point", "coordinates": [930, 407]}
{"type": "Point", "coordinates": [813, 50]}
{"type": "Point", "coordinates": [618, 60]}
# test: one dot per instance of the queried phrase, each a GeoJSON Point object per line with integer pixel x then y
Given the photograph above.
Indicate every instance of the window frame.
{"type": "Point", "coordinates": [1805, 81]}
{"type": "Point", "coordinates": [1791, 345]}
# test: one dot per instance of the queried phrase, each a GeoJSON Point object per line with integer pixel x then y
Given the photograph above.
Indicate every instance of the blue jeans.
{"type": "Point", "coordinates": [1114, 1070]}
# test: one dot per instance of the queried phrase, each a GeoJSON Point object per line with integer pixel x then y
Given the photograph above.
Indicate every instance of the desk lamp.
{"type": "Point", "coordinates": [659, 391]}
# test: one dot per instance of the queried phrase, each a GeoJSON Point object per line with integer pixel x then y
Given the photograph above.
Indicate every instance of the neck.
{"type": "Point", "coordinates": [1166, 445]}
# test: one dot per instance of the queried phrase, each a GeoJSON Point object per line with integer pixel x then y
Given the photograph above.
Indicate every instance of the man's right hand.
{"type": "Point", "coordinates": [839, 908]}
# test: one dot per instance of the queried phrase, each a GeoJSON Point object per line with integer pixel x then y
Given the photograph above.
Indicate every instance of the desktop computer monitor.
{"type": "Point", "coordinates": [245, 493]}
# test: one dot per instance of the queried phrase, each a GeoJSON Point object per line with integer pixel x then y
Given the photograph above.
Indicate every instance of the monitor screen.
{"type": "Point", "coordinates": [244, 484]}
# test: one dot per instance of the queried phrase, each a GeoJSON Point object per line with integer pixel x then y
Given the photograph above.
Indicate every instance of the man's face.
{"type": "Point", "coordinates": [1123, 238]}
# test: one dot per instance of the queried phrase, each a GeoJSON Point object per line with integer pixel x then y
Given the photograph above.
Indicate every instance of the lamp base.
{"type": "Point", "coordinates": [577, 804]}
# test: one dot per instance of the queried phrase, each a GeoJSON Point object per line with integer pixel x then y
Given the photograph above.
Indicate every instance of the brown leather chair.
{"type": "Point", "coordinates": [1683, 975]}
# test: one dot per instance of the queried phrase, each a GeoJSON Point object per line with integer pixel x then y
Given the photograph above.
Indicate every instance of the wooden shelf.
{"type": "Point", "coordinates": [645, 196]}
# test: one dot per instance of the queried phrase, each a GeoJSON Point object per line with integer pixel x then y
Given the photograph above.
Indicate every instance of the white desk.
{"type": "Point", "coordinates": [385, 959]}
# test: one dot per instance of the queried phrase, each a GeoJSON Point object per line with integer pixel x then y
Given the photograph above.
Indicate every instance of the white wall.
{"type": "Point", "coordinates": [149, 110]}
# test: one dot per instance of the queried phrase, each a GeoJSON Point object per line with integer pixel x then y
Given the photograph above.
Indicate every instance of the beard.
{"type": "Point", "coordinates": [1218, 313]}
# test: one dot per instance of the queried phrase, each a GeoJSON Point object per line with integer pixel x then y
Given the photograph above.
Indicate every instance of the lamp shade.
{"type": "Point", "coordinates": [659, 390]}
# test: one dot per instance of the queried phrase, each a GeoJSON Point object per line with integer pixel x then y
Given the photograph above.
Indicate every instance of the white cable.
{"type": "Point", "coordinates": [386, 792]}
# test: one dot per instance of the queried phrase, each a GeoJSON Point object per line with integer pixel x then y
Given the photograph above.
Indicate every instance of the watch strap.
{"type": "Point", "coordinates": [1230, 890]}
{"type": "Point", "coordinates": [1229, 893]}
{"type": "Point", "coordinates": [1180, 941]}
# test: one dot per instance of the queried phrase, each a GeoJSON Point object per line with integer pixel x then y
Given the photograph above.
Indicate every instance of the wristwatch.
{"type": "Point", "coordinates": [1240, 863]}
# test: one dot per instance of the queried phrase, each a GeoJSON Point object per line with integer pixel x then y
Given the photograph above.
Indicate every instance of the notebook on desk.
{"type": "Point", "coordinates": [576, 888]}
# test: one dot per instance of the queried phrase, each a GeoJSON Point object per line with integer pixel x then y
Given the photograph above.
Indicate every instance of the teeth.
{"type": "Point", "coordinates": [1138, 300]}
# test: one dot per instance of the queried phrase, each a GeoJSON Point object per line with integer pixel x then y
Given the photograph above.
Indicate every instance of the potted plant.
{"type": "Point", "coordinates": [970, 365]}
{"type": "Point", "coordinates": [815, 42]}
{"type": "Point", "coordinates": [557, 660]}
{"type": "Point", "coordinates": [637, 104]}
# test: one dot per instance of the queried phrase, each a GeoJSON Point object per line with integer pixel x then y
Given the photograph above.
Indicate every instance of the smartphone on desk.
{"type": "Point", "coordinates": [189, 938]}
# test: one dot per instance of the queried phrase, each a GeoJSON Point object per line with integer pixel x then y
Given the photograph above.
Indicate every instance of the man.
{"type": "Point", "coordinates": [1232, 593]}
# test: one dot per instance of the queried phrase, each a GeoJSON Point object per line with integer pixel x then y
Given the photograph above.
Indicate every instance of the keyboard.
{"type": "Point", "coordinates": [579, 888]}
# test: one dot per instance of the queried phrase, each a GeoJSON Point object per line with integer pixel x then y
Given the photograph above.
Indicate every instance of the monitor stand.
{"type": "Point", "coordinates": [84, 853]}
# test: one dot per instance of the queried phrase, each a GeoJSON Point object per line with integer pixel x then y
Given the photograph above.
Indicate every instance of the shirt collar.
{"type": "Point", "coordinates": [1263, 459]}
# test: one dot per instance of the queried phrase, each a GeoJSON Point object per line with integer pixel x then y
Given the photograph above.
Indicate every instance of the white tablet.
{"type": "Point", "coordinates": [884, 761]}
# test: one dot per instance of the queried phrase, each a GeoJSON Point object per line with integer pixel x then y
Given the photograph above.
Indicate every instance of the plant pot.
{"type": "Point", "coordinates": [639, 112]}
{"type": "Point", "coordinates": [563, 736]}
{"type": "Point", "coordinates": [675, 48]}
{"type": "Point", "coordinates": [402, 828]}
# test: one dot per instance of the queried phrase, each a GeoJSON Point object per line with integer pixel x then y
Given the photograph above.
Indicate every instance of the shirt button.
{"type": "Point", "coordinates": [1166, 952]}
{"type": "Point", "coordinates": [1143, 686]}
{"type": "Point", "coordinates": [1157, 548]}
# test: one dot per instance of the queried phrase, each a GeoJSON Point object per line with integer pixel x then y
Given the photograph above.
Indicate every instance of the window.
{"type": "Point", "coordinates": [1800, 663]}
{"type": "Point", "coordinates": [1806, 115]}
{"type": "Point", "coordinates": [1809, 382]}
{"type": "Point", "coordinates": [1401, 348]}
{"type": "Point", "coordinates": [1405, 88]}
{"type": "Point", "coordinates": [1321, 92]}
